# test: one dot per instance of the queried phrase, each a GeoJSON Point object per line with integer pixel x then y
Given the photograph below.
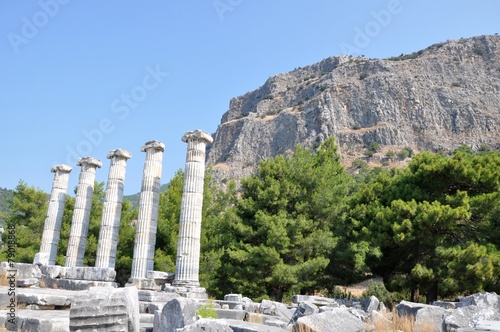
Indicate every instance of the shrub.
{"type": "Point", "coordinates": [269, 96]}
{"type": "Point", "coordinates": [378, 290]}
{"type": "Point", "coordinates": [390, 154]}
{"type": "Point", "coordinates": [478, 51]}
{"type": "Point", "coordinates": [207, 311]}
{"type": "Point", "coordinates": [363, 75]}
{"type": "Point", "coordinates": [359, 164]}
{"type": "Point", "coordinates": [456, 84]}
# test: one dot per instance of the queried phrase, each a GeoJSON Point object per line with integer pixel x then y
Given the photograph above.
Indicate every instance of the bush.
{"type": "Point", "coordinates": [405, 153]}
{"type": "Point", "coordinates": [363, 75]}
{"type": "Point", "coordinates": [378, 290]}
{"type": "Point", "coordinates": [478, 51]}
{"type": "Point", "coordinates": [390, 154]}
{"type": "Point", "coordinates": [207, 311]}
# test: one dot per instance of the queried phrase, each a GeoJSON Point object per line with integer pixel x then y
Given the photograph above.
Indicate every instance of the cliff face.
{"type": "Point", "coordinates": [435, 99]}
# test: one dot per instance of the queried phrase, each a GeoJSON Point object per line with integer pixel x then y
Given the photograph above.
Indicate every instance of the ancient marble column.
{"type": "Point", "coordinates": [112, 209]}
{"type": "Point", "coordinates": [188, 243]}
{"type": "Point", "coordinates": [81, 212]}
{"type": "Point", "coordinates": [145, 236]}
{"type": "Point", "coordinates": [52, 227]}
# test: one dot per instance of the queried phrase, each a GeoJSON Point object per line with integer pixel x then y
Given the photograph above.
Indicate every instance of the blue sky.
{"type": "Point", "coordinates": [81, 78]}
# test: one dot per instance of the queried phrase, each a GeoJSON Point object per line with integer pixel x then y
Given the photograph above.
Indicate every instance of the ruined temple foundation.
{"type": "Point", "coordinates": [81, 213]}
{"type": "Point", "coordinates": [112, 208]}
{"type": "Point", "coordinates": [52, 226]}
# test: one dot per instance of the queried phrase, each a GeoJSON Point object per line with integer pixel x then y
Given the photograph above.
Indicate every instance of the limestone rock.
{"type": "Point", "coordinates": [233, 297]}
{"type": "Point", "coordinates": [177, 313]}
{"type": "Point", "coordinates": [207, 325]}
{"type": "Point", "coordinates": [317, 300]}
{"type": "Point", "coordinates": [304, 309]}
{"type": "Point", "coordinates": [337, 320]}
{"type": "Point", "coordinates": [241, 326]}
{"type": "Point", "coordinates": [372, 304]}
{"type": "Point", "coordinates": [447, 96]}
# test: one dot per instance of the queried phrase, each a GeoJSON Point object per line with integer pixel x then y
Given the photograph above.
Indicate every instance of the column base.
{"type": "Point", "coordinates": [41, 258]}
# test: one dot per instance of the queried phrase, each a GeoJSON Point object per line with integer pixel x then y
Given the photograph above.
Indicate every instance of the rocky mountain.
{"type": "Point", "coordinates": [437, 99]}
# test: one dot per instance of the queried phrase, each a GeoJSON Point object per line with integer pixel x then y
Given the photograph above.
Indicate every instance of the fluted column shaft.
{"type": "Point", "coordinates": [81, 212]}
{"type": "Point", "coordinates": [145, 238]}
{"type": "Point", "coordinates": [112, 209]}
{"type": "Point", "coordinates": [188, 243]}
{"type": "Point", "coordinates": [52, 226]}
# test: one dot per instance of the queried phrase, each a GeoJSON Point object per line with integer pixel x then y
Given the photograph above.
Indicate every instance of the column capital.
{"type": "Point", "coordinates": [61, 168]}
{"type": "Point", "coordinates": [89, 161]}
{"type": "Point", "coordinates": [119, 153]}
{"type": "Point", "coordinates": [157, 145]}
{"type": "Point", "coordinates": [197, 134]}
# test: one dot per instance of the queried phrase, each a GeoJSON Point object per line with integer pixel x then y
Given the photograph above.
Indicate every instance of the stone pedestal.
{"type": "Point", "coordinates": [52, 227]}
{"type": "Point", "coordinates": [188, 245]}
{"type": "Point", "coordinates": [112, 209]}
{"type": "Point", "coordinates": [147, 220]}
{"type": "Point", "coordinates": [81, 213]}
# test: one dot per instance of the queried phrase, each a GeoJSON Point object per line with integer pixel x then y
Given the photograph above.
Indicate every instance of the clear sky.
{"type": "Point", "coordinates": [82, 78]}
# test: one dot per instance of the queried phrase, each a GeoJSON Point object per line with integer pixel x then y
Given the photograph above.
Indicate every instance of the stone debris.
{"type": "Point", "coordinates": [336, 320]}
{"type": "Point", "coordinates": [176, 314]}
{"type": "Point", "coordinates": [105, 309]}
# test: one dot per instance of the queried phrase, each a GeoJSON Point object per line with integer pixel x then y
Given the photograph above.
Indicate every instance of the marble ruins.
{"type": "Point", "coordinates": [146, 286]}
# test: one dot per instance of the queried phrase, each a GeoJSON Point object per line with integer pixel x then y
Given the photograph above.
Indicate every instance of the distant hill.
{"type": "Point", "coordinates": [134, 199]}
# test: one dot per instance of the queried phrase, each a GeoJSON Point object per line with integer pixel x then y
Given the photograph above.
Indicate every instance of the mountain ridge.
{"type": "Point", "coordinates": [436, 99]}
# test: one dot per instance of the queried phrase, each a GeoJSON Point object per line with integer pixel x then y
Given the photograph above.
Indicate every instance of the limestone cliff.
{"type": "Point", "coordinates": [435, 99]}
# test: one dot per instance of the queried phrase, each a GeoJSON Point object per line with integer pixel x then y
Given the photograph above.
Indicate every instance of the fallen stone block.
{"type": "Point", "coordinates": [372, 304]}
{"type": "Point", "coordinates": [32, 320]}
{"type": "Point", "coordinates": [430, 319]}
{"type": "Point", "coordinates": [487, 325]}
{"type": "Point", "coordinates": [177, 313]}
{"type": "Point", "coordinates": [242, 326]}
{"type": "Point", "coordinates": [233, 298]}
{"type": "Point", "coordinates": [167, 276]}
{"type": "Point", "coordinates": [483, 300]}
{"type": "Point", "coordinates": [231, 314]}
{"type": "Point", "coordinates": [316, 300]}
{"type": "Point", "coordinates": [29, 282]}
{"type": "Point", "coordinates": [75, 285]}
{"type": "Point", "coordinates": [465, 317]}
{"type": "Point", "coordinates": [338, 320]}
{"type": "Point", "coordinates": [39, 296]}
{"type": "Point", "coordinates": [51, 271]}
{"type": "Point", "coordinates": [230, 304]}
{"type": "Point", "coordinates": [304, 309]}
{"type": "Point", "coordinates": [155, 296]}
{"type": "Point", "coordinates": [273, 308]}
{"type": "Point", "coordinates": [88, 273]}
{"type": "Point", "coordinates": [207, 325]}
{"type": "Point", "coordinates": [106, 309]}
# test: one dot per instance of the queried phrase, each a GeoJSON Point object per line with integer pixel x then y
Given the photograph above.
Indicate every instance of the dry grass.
{"type": "Point", "coordinates": [394, 322]}
{"type": "Point", "coordinates": [254, 318]}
